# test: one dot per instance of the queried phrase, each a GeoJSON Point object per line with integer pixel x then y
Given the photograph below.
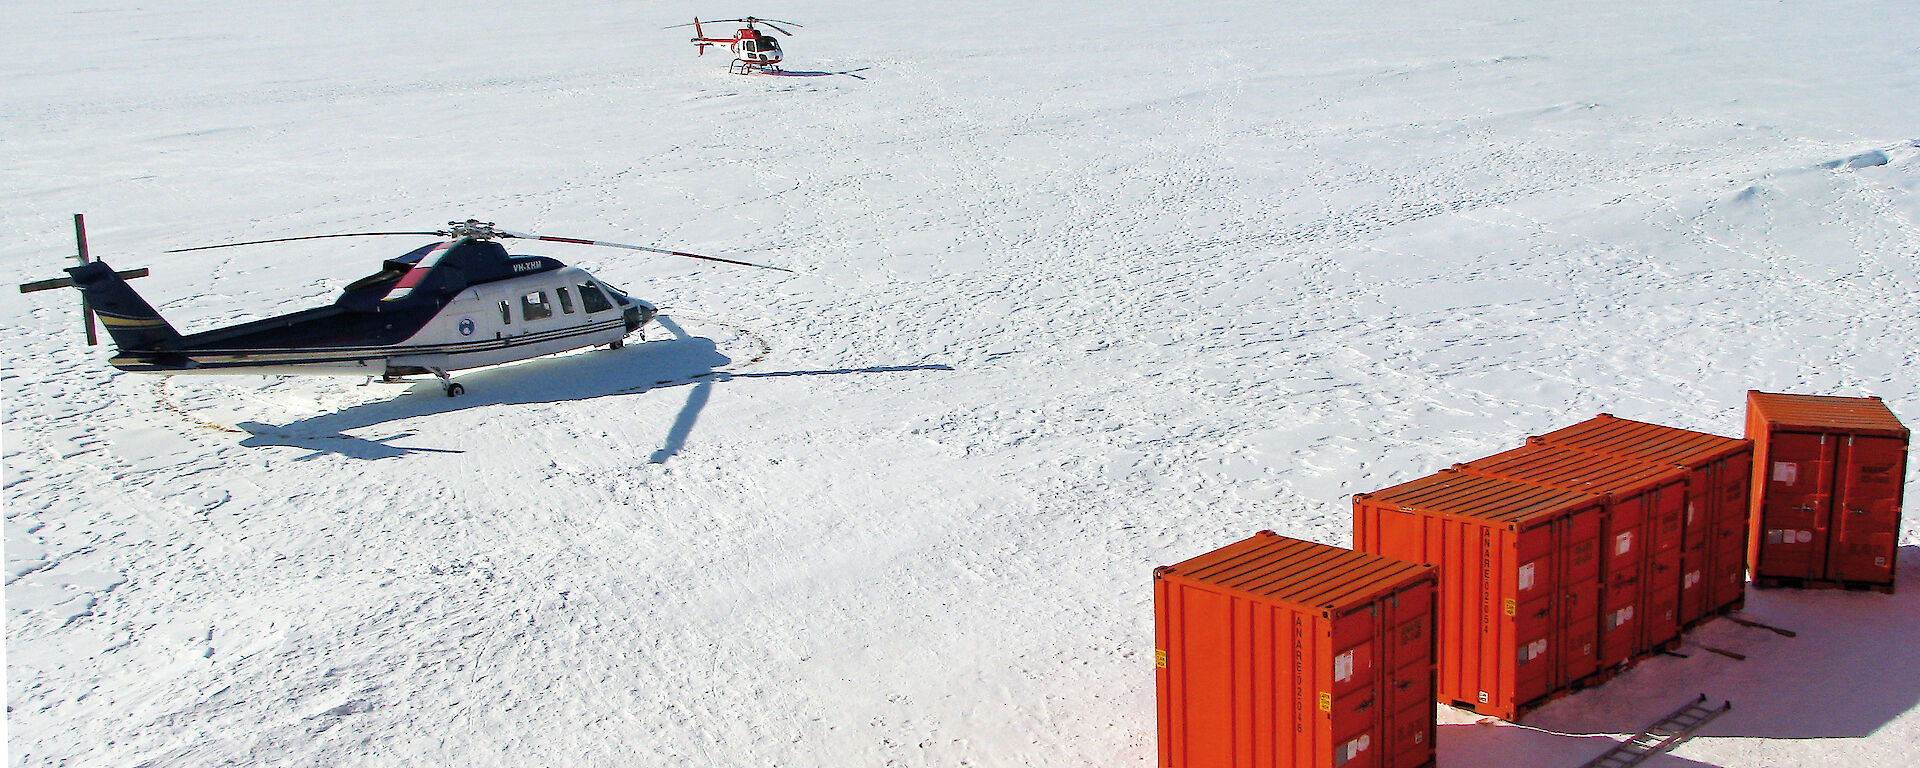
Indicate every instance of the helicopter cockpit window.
{"type": "Point", "coordinates": [534, 306]}
{"type": "Point", "coordinates": [566, 300]}
{"type": "Point", "coordinates": [593, 299]}
{"type": "Point", "coordinates": [763, 44]}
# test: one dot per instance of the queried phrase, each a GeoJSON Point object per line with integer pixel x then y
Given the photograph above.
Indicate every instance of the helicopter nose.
{"type": "Point", "coordinates": [640, 314]}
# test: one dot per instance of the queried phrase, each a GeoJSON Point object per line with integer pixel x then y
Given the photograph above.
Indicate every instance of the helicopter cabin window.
{"type": "Point", "coordinates": [534, 306]}
{"type": "Point", "coordinates": [566, 300]}
{"type": "Point", "coordinates": [506, 314]}
{"type": "Point", "coordinates": [593, 299]}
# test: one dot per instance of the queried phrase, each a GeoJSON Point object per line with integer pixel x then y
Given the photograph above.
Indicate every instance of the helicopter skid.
{"type": "Point", "coordinates": [740, 67]}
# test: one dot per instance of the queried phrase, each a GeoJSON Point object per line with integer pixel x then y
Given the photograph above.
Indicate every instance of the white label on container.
{"type": "Point", "coordinates": [1349, 750]}
{"type": "Point", "coordinates": [1804, 537]}
{"type": "Point", "coordinates": [1623, 543]}
{"type": "Point", "coordinates": [1785, 472]}
{"type": "Point", "coordinates": [1343, 667]}
{"type": "Point", "coordinates": [1526, 577]}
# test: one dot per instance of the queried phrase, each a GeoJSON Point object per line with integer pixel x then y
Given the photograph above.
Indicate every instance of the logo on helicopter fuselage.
{"type": "Point", "coordinates": [466, 326]}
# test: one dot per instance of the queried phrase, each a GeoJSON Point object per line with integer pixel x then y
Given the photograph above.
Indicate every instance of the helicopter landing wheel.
{"type": "Point", "coordinates": [617, 344]}
{"type": "Point", "coordinates": [447, 383]}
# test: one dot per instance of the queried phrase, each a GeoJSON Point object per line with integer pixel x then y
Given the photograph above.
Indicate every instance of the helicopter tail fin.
{"type": "Point", "coordinates": [130, 320]}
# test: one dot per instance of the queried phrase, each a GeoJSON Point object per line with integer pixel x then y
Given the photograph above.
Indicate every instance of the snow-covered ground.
{"type": "Point", "coordinates": [1084, 288]}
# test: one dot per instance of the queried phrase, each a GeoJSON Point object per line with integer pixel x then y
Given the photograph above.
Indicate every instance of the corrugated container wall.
{"type": "Point", "coordinates": [1519, 581]}
{"type": "Point", "coordinates": [1829, 473]}
{"type": "Point", "coordinates": [1278, 652]}
{"type": "Point", "coordinates": [1645, 505]}
{"type": "Point", "coordinates": [1714, 532]}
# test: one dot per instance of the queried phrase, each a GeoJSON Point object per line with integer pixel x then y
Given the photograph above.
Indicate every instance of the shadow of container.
{"type": "Point", "coordinates": [1501, 743]}
{"type": "Point", "coordinates": [1847, 673]}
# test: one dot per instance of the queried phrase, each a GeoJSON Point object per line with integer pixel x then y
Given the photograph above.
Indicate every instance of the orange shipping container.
{"type": "Point", "coordinates": [1273, 651]}
{"type": "Point", "coordinates": [1828, 477]}
{"type": "Point", "coordinates": [1519, 581]}
{"type": "Point", "coordinates": [1640, 544]}
{"type": "Point", "coordinates": [1719, 474]}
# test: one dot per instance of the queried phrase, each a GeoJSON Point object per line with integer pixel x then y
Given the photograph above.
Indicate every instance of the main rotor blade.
{"type": "Point", "coordinates": [577, 241]}
{"type": "Point", "coordinates": [306, 237]}
{"type": "Point", "coordinates": [747, 20]}
{"type": "Point", "coordinates": [777, 29]}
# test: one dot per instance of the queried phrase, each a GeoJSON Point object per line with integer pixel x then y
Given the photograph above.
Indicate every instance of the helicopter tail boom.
{"type": "Point", "coordinates": [133, 323]}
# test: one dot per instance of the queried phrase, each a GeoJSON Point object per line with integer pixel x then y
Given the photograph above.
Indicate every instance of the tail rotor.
{"type": "Point", "coordinates": [86, 307]}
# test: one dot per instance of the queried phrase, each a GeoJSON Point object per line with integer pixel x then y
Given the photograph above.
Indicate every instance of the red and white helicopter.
{"type": "Point", "coordinates": [460, 303]}
{"type": "Point", "coordinates": [752, 50]}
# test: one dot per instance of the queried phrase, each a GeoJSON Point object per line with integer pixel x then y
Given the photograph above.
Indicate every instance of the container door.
{"type": "Point", "coordinates": [1663, 575]}
{"type": "Point", "coordinates": [1409, 629]}
{"type": "Point", "coordinates": [1734, 479]}
{"type": "Point", "coordinates": [1726, 575]}
{"type": "Point", "coordinates": [1579, 596]}
{"type": "Point", "coordinates": [1409, 690]}
{"type": "Point", "coordinates": [1624, 547]}
{"type": "Point", "coordinates": [1697, 532]}
{"type": "Point", "coordinates": [1663, 580]}
{"type": "Point", "coordinates": [1535, 665]}
{"type": "Point", "coordinates": [1696, 589]}
{"type": "Point", "coordinates": [1795, 502]}
{"type": "Point", "coordinates": [1728, 571]}
{"type": "Point", "coordinates": [1580, 643]}
{"type": "Point", "coordinates": [1532, 612]}
{"type": "Point", "coordinates": [1703, 499]}
{"type": "Point", "coordinates": [1620, 618]}
{"type": "Point", "coordinates": [1357, 701]}
{"type": "Point", "coordinates": [1866, 512]}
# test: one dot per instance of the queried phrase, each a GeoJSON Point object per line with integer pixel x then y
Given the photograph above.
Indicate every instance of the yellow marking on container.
{"type": "Point", "coordinates": [1326, 701]}
{"type": "Point", "coordinates": [1159, 658]}
{"type": "Point", "coordinates": [1510, 606]}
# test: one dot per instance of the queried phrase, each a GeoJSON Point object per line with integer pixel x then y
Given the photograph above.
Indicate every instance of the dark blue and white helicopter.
{"type": "Point", "coordinates": [461, 303]}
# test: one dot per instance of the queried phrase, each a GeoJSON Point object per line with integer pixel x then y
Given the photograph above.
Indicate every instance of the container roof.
{"type": "Point", "coordinates": [1496, 500]}
{"type": "Point", "coordinates": [1300, 573]}
{"type": "Point", "coordinates": [1643, 441]}
{"type": "Point", "coordinates": [1823, 413]}
{"type": "Point", "coordinates": [1575, 470]}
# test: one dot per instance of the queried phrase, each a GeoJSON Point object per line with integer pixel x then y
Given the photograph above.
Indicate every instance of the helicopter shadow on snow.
{"type": "Point", "coordinates": [812, 73]}
{"type": "Point", "coordinates": [636, 369]}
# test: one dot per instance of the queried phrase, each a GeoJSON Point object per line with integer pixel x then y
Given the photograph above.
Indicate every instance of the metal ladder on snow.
{"type": "Point", "coordinates": [1661, 736]}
